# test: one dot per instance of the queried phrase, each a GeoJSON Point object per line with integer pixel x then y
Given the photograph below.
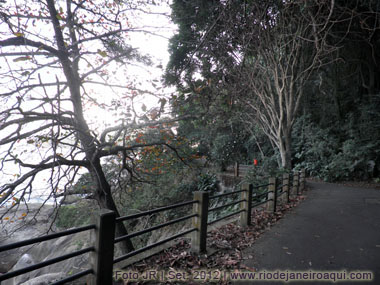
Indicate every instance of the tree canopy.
{"type": "Point", "coordinates": [65, 67]}
{"type": "Point", "coordinates": [289, 82]}
{"type": "Point", "coordinates": [271, 59]}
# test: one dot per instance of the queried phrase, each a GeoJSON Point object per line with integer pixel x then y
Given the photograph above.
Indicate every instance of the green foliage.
{"type": "Point", "coordinates": [227, 148]}
{"type": "Point", "coordinates": [339, 139]}
{"type": "Point", "coordinates": [207, 182]}
{"type": "Point", "coordinates": [193, 18]}
{"type": "Point", "coordinates": [75, 215]}
{"type": "Point", "coordinates": [171, 186]}
{"type": "Point", "coordinates": [202, 182]}
{"type": "Point", "coordinates": [256, 176]}
{"type": "Point", "coordinates": [215, 131]}
{"type": "Point", "coordinates": [352, 153]}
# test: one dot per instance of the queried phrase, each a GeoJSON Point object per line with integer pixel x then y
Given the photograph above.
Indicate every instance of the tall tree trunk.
{"type": "Point", "coordinates": [104, 197]}
{"type": "Point", "coordinates": [285, 148]}
{"type": "Point", "coordinates": [288, 152]}
{"type": "Point", "coordinates": [71, 70]}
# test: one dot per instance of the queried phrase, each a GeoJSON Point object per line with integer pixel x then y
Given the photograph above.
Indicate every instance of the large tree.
{"type": "Point", "coordinates": [282, 49]}
{"type": "Point", "coordinates": [262, 53]}
{"type": "Point", "coordinates": [339, 137]}
{"type": "Point", "coordinates": [63, 64]}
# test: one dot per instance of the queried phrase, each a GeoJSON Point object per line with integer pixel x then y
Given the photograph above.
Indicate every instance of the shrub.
{"type": "Point", "coordinates": [76, 215]}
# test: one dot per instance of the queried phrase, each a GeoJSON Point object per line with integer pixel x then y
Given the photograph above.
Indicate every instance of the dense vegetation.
{"type": "Point", "coordinates": [218, 63]}
{"type": "Point", "coordinates": [291, 84]}
{"type": "Point", "coordinates": [333, 132]}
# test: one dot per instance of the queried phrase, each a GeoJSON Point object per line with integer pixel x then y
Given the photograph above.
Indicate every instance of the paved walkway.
{"type": "Point", "coordinates": [335, 228]}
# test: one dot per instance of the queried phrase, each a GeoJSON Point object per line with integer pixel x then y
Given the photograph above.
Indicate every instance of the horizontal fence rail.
{"type": "Point", "coordinates": [133, 253]}
{"type": "Point", "coordinates": [135, 216]}
{"type": "Point", "coordinates": [226, 194]}
{"type": "Point", "coordinates": [45, 238]}
{"type": "Point", "coordinates": [261, 195]}
{"type": "Point", "coordinates": [260, 186]}
{"type": "Point", "coordinates": [226, 205]}
{"type": "Point", "coordinates": [225, 217]}
{"type": "Point", "coordinates": [45, 263]}
{"type": "Point", "coordinates": [102, 251]}
{"type": "Point", "coordinates": [260, 203]}
{"type": "Point", "coordinates": [74, 277]}
{"type": "Point", "coordinates": [153, 228]}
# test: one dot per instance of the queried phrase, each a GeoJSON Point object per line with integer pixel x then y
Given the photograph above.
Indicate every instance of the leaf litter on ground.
{"type": "Point", "coordinates": [225, 247]}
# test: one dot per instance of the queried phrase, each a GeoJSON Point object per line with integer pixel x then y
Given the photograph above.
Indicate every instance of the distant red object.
{"type": "Point", "coordinates": [255, 161]}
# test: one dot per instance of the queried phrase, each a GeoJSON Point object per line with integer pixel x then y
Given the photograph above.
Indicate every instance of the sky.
{"type": "Point", "coordinates": [154, 45]}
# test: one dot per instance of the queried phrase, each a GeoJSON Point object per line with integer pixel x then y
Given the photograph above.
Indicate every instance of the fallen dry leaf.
{"type": "Point", "coordinates": [224, 245]}
{"type": "Point", "coordinates": [243, 266]}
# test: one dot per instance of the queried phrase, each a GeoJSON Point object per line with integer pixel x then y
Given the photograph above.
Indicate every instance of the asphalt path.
{"type": "Point", "coordinates": [337, 228]}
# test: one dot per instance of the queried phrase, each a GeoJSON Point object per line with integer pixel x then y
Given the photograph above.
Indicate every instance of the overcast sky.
{"type": "Point", "coordinates": [154, 45]}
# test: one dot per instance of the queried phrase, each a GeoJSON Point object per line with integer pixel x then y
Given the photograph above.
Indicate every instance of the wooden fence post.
{"type": "Point", "coordinates": [198, 240]}
{"type": "Point", "coordinates": [236, 169]}
{"type": "Point", "coordinates": [302, 180]}
{"type": "Point", "coordinates": [271, 206]}
{"type": "Point", "coordinates": [295, 183]}
{"type": "Point", "coordinates": [245, 216]}
{"type": "Point", "coordinates": [285, 186]}
{"type": "Point", "coordinates": [275, 196]}
{"type": "Point", "coordinates": [102, 257]}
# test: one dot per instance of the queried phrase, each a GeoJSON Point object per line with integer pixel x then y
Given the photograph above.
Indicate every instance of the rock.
{"type": "Point", "coordinates": [25, 261]}
{"type": "Point", "coordinates": [36, 223]}
{"type": "Point", "coordinates": [26, 228]}
{"type": "Point", "coordinates": [44, 279]}
{"type": "Point", "coordinates": [71, 199]}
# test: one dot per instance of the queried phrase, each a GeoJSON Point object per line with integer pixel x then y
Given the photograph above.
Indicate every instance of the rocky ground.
{"type": "Point", "coordinates": [33, 221]}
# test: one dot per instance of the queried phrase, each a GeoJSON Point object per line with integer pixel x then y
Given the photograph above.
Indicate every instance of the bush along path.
{"type": "Point", "coordinates": [225, 252]}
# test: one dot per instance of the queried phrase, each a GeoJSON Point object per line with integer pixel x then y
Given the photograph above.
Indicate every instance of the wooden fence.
{"type": "Point", "coordinates": [275, 192]}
